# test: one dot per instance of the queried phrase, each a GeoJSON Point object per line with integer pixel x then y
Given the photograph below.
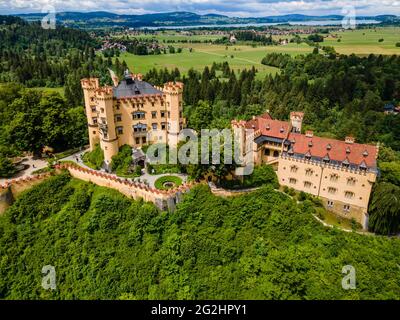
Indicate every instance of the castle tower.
{"type": "Point", "coordinates": [106, 123]}
{"type": "Point", "coordinates": [296, 120]}
{"type": "Point", "coordinates": [174, 106]}
{"type": "Point", "coordinates": [89, 87]}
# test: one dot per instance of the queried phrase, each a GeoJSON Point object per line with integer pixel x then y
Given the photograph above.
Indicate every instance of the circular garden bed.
{"type": "Point", "coordinates": [168, 182]}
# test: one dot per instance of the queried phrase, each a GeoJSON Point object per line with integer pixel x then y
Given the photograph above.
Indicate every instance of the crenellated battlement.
{"type": "Point", "coordinates": [104, 93]}
{"type": "Point", "coordinates": [129, 188]}
{"type": "Point", "coordinates": [173, 88]}
{"type": "Point", "coordinates": [90, 83]}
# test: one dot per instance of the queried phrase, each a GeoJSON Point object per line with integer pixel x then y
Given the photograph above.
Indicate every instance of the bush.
{"type": "Point", "coordinates": [398, 44]}
{"type": "Point", "coordinates": [262, 175]}
{"type": "Point", "coordinates": [121, 163]}
{"type": "Point", "coordinates": [302, 196]}
{"type": "Point", "coordinates": [160, 182]}
{"type": "Point", "coordinates": [95, 158]}
{"type": "Point", "coordinates": [7, 169]}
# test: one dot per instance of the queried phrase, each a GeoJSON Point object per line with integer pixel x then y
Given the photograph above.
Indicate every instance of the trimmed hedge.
{"type": "Point", "coordinates": [159, 184]}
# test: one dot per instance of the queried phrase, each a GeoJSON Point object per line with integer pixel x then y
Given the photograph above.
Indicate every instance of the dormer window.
{"type": "Point", "coordinates": [282, 130]}
{"type": "Point", "coordinates": [308, 155]}
{"type": "Point", "coordinates": [346, 162]}
{"type": "Point", "coordinates": [329, 147]}
{"type": "Point", "coordinates": [291, 152]}
{"type": "Point", "coordinates": [363, 166]}
{"type": "Point", "coordinates": [310, 144]}
{"type": "Point", "coordinates": [267, 127]}
{"type": "Point", "coordinates": [326, 159]}
{"type": "Point", "coordinates": [348, 150]}
{"type": "Point", "coordinates": [365, 153]}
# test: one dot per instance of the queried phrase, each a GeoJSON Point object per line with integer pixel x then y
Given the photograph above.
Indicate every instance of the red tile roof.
{"type": "Point", "coordinates": [338, 152]}
{"type": "Point", "coordinates": [269, 127]}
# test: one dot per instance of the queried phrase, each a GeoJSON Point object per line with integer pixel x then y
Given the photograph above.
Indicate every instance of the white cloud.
{"type": "Point", "coordinates": [227, 7]}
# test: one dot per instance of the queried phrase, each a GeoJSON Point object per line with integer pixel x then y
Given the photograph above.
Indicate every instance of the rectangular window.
{"type": "Point", "coordinates": [330, 204]}
{"type": "Point", "coordinates": [137, 141]}
{"type": "Point", "coordinates": [349, 194]}
{"type": "Point", "coordinates": [346, 208]}
{"type": "Point", "coordinates": [293, 169]}
{"type": "Point", "coordinates": [143, 139]}
{"type": "Point", "coordinates": [162, 114]}
{"type": "Point", "coordinates": [94, 109]}
{"type": "Point", "coordinates": [138, 115]}
{"type": "Point", "coordinates": [120, 130]}
{"type": "Point", "coordinates": [103, 120]}
{"type": "Point", "coordinates": [292, 181]}
{"type": "Point", "coordinates": [307, 184]}
{"type": "Point", "coordinates": [332, 190]}
{"type": "Point", "coordinates": [351, 181]}
{"type": "Point", "coordinates": [154, 126]}
{"type": "Point", "coordinates": [334, 177]}
{"type": "Point", "coordinates": [163, 126]}
{"type": "Point", "coordinates": [309, 172]}
{"type": "Point", "coordinates": [102, 110]}
{"type": "Point", "coordinates": [154, 114]}
{"type": "Point", "coordinates": [118, 118]}
{"type": "Point", "coordinates": [94, 120]}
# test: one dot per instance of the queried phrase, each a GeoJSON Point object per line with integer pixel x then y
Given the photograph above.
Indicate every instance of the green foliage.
{"type": "Point", "coordinates": [31, 119]}
{"type": "Point", "coordinates": [262, 175]}
{"type": "Point", "coordinates": [385, 209]}
{"type": "Point", "coordinates": [257, 246]}
{"type": "Point", "coordinates": [174, 182]}
{"type": "Point", "coordinates": [7, 168]}
{"type": "Point", "coordinates": [121, 163]}
{"type": "Point", "coordinates": [315, 38]}
{"type": "Point", "coordinates": [94, 159]}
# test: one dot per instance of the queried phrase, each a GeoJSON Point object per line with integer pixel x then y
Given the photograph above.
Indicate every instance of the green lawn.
{"type": "Point", "coordinates": [366, 41]}
{"type": "Point", "coordinates": [244, 57]}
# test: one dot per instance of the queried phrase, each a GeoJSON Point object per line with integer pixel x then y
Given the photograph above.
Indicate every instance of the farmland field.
{"type": "Point", "coordinates": [366, 41]}
{"type": "Point", "coordinates": [239, 57]}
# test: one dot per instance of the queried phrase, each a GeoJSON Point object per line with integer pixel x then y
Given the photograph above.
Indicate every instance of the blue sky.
{"type": "Point", "coordinates": [239, 8]}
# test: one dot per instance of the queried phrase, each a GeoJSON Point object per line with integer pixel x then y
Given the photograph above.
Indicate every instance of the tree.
{"type": "Point", "coordinates": [7, 168]}
{"type": "Point", "coordinates": [385, 209]}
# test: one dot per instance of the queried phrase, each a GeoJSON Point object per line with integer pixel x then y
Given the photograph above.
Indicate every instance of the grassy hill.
{"type": "Point", "coordinates": [257, 246]}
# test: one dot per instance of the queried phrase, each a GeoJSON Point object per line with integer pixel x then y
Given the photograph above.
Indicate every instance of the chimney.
{"type": "Point", "coordinates": [350, 140]}
{"type": "Point", "coordinates": [309, 134]}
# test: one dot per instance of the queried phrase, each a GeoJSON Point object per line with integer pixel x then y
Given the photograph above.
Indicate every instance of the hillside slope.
{"type": "Point", "coordinates": [259, 246]}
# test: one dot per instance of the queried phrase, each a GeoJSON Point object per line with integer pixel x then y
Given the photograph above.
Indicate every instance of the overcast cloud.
{"type": "Point", "coordinates": [240, 8]}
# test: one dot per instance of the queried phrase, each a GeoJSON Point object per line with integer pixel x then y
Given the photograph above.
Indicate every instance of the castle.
{"type": "Point", "coordinates": [132, 112]}
{"type": "Point", "coordinates": [340, 173]}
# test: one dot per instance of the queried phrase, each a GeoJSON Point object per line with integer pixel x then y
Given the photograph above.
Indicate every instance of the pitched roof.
{"type": "Point", "coordinates": [339, 151]}
{"type": "Point", "coordinates": [268, 127]}
{"type": "Point", "coordinates": [129, 88]}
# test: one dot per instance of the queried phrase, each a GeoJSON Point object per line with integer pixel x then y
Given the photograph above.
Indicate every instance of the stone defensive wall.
{"type": "Point", "coordinates": [165, 200]}
{"type": "Point", "coordinates": [13, 188]}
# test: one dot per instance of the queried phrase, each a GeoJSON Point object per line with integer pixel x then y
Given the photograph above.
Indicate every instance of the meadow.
{"type": "Point", "coordinates": [239, 57]}
{"type": "Point", "coordinates": [366, 41]}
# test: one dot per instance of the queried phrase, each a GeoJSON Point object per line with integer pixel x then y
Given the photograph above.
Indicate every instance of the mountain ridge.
{"type": "Point", "coordinates": [179, 18]}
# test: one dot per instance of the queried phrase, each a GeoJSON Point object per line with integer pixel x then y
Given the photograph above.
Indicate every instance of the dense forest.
{"type": "Point", "coordinates": [262, 245]}
{"type": "Point", "coordinates": [38, 57]}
